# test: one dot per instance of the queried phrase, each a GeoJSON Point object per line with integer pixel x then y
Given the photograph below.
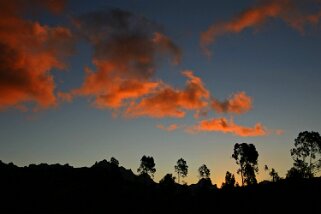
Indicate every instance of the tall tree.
{"type": "Point", "coordinates": [147, 166]}
{"type": "Point", "coordinates": [204, 172]}
{"type": "Point", "coordinates": [181, 168]}
{"type": "Point", "coordinates": [246, 157]}
{"type": "Point", "coordinates": [307, 153]}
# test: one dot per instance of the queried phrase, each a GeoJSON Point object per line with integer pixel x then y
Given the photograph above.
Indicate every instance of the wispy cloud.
{"type": "Point", "coordinates": [290, 11]}
{"type": "Point", "coordinates": [279, 132]}
{"type": "Point", "coordinates": [228, 126]}
{"type": "Point", "coordinates": [169, 128]}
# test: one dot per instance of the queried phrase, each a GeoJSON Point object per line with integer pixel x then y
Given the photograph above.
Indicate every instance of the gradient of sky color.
{"type": "Point", "coordinates": [273, 61]}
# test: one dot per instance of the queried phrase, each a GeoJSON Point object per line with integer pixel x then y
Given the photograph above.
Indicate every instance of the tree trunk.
{"type": "Point", "coordinates": [310, 164]}
{"type": "Point", "coordinates": [178, 177]}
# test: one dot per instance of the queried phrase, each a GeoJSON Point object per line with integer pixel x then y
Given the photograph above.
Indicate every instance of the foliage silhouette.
{"type": "Point", "coordinates": [307, 153]}
{"type": "Point", "coordinates": [147, 166]}
{"type": "Point", "coordinates": [204, 172]}
{"type": "Point", "coordinates": [106, 187]}
{"type": "Point", "coordinates": [294, 173]}
{"type": "Point", "coordinates": [114, 161]}
{"type": "Point", "coordinates": [229, 180]}
{"type": "Point", "coordinates": [246, 157]}
{"type": "Point", "coordinates": [274, 175]}
{"type": "Point", "coordinates": [101, 164]}
{"type": "Point", "coordinates": [181, 169]}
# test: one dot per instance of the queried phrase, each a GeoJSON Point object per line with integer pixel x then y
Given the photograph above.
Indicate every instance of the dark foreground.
{"type": "Point", "coordinates": [106, 188]}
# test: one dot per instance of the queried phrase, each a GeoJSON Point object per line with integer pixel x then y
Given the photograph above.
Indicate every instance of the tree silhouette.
{"type": "Point", "coordinates": [266, 168]}
{"type": "Point", "coordinates": [181, 168]}
{"type": "Point", "coordinates": [275, 176]}
{"type": "Point", "coordinates": [229, 180]}
{"type": "Point", "coordinates": [294, 173]}
{"type": "Point", "coordinates": [147, 166]}
{"type": "Point", "coordinates": [204, 172]}
{"type": "Point", "coordinates": [307, 153]}
{"type": "Point", "coordinates": [114, 161]}
{"type": "Point", "coordinates": [246, 157]}
{"type": "Point", "coordinates": [273, 173]}
{"type": "Point", "coordinates": [101, 164]}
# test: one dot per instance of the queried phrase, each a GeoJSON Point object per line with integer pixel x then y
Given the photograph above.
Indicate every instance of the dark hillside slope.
{"type": "Point", "coordinates": [106, 188]}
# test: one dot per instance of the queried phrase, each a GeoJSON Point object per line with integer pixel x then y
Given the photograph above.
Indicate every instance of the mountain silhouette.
{"type": "Point", "coordinates": [108, 188]}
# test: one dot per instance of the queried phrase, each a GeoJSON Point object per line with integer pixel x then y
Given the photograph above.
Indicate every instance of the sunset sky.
{"type": "Point", "coordinates": [82, 81]}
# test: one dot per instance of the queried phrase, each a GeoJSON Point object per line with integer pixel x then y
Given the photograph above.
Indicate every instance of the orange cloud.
{"type": "Point", "coordinates": [170, 128]}
{"type": "Point", "coordinates": [29, 51]}
{"type": "Point", "coordinates": [125, 50]}
{"type": "Point", "coordinates": [225, 126]}
{"type": "Point", "coordinates": [287, 10]}
{"type": "Point", "coordinates": [238, 103]}
{"type": "Point", "coordinates": [109, 90]}
{"type": "Point", "coordinates": [169, 102]}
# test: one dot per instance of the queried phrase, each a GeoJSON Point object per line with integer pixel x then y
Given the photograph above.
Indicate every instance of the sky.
{"type": "Point", "coordinates": [83, 81]}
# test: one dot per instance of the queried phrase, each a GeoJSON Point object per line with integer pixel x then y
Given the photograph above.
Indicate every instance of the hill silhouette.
{"type": "Point", "coordinates": [107, 188]}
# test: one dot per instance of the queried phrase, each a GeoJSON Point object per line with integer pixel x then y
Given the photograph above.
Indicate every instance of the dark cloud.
{"type": "Point", "coordinates": [126, 48]}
